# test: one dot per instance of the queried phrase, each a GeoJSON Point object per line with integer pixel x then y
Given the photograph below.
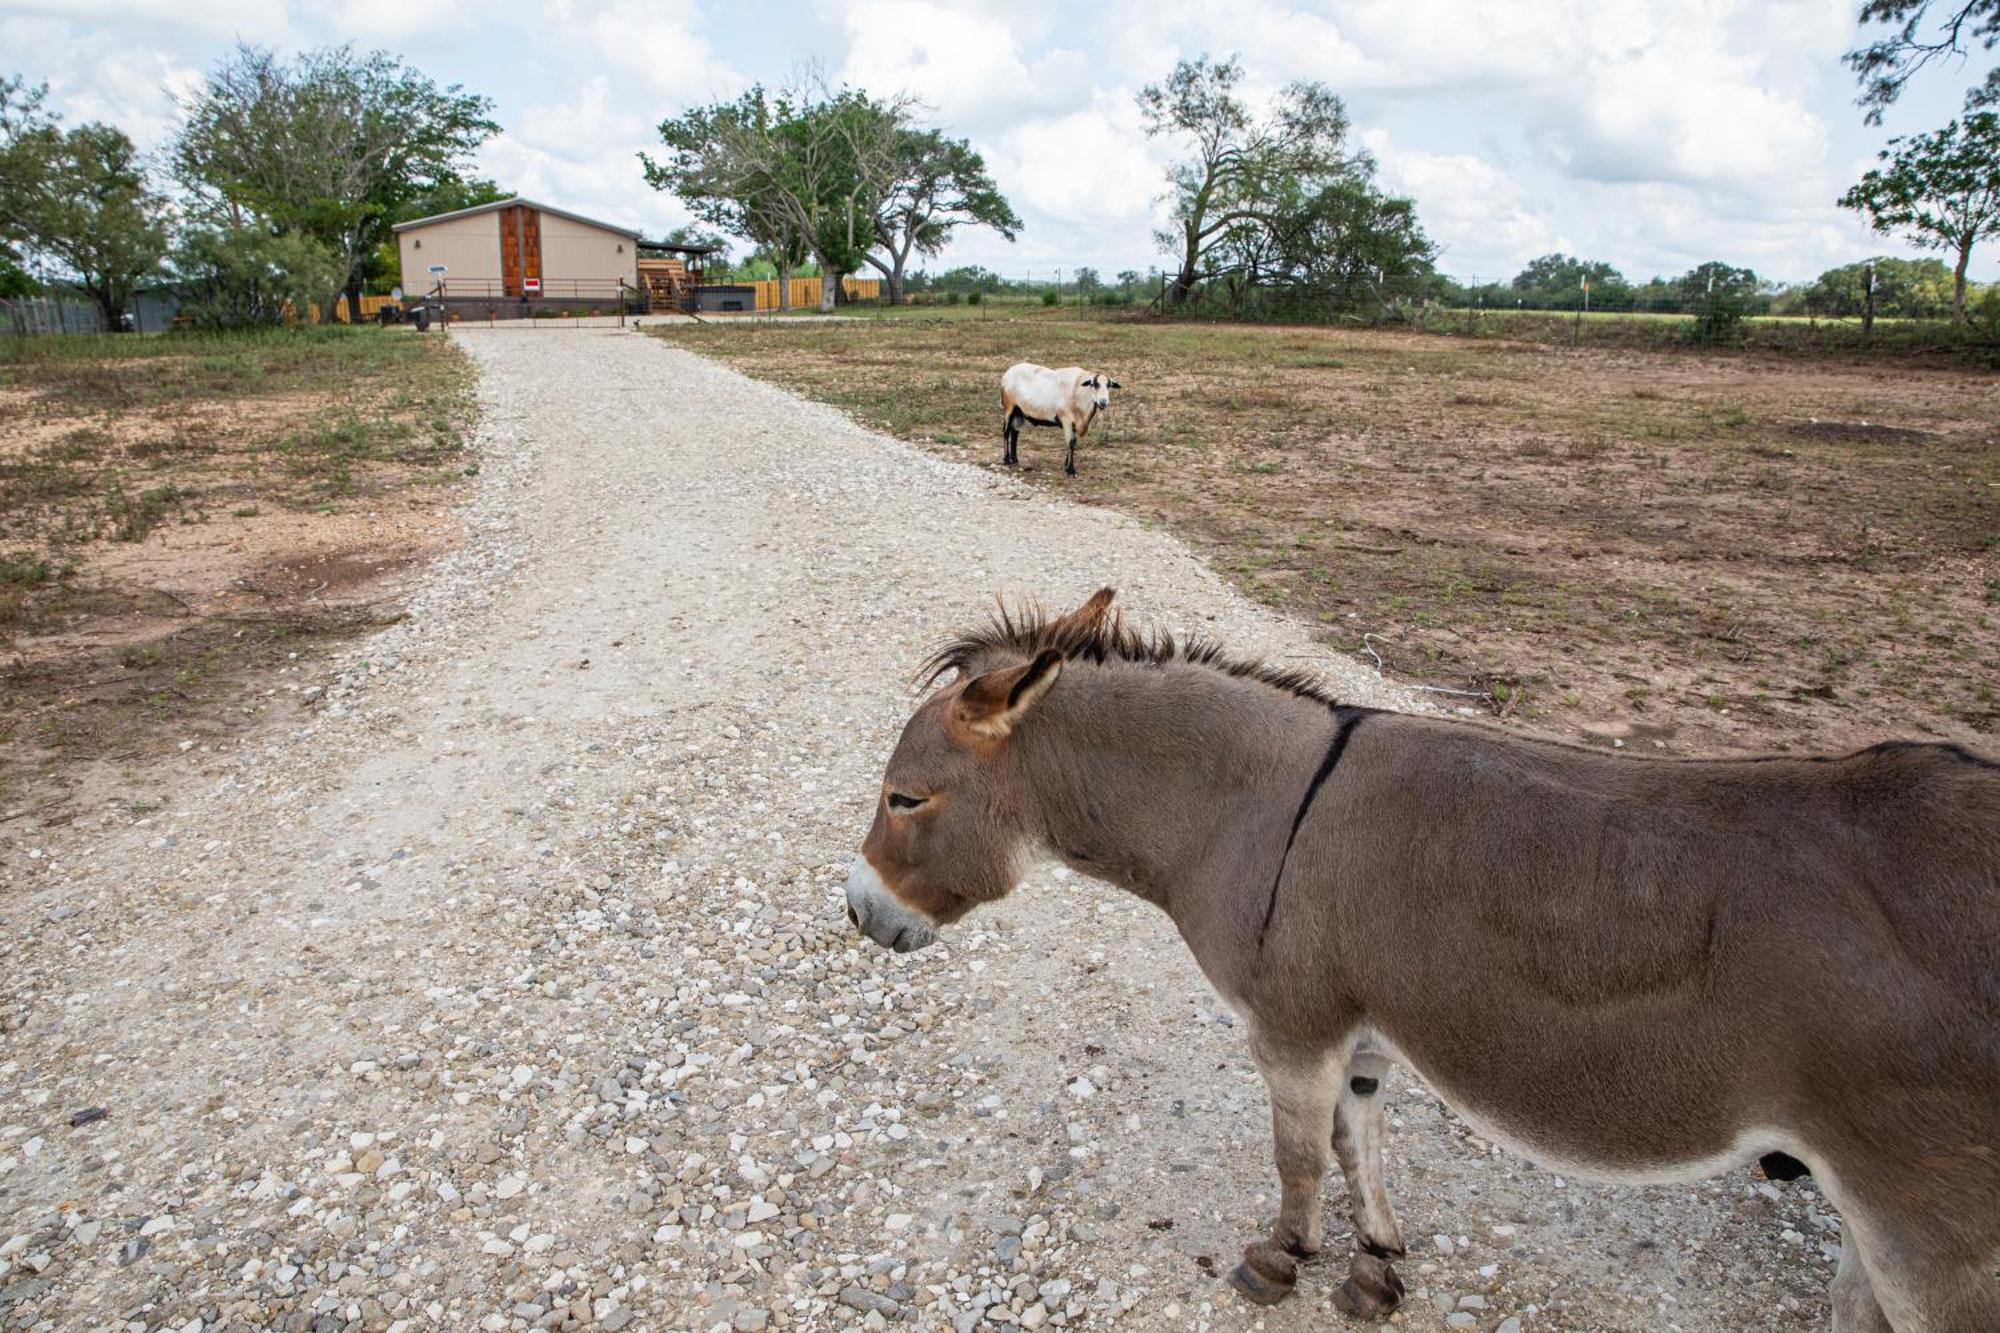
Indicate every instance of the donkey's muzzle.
{"type": "Point", "coordinates": [877, 914]}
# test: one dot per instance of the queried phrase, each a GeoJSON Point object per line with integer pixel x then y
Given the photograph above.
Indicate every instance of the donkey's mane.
{"type": "Point", "coordinates": [1028, 630]}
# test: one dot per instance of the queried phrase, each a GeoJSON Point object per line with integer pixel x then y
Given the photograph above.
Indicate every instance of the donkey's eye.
{"type": "Point", "coordinates": [898, 801]}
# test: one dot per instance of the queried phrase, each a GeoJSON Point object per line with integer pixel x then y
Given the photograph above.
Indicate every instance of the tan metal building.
{"type": "Point", "coordinates": [517, 252]}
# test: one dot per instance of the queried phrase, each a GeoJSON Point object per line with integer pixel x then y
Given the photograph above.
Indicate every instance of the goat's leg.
{"type": "Point", "coordinates": [1302, 1085]}
{"type": "Point", "coordinates": [1069, 443]}
{"type": "Point", "coordinates": [1372, 1289]}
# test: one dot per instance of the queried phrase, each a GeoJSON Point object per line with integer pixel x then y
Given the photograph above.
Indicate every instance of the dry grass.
{"type": "Point", "coordinates": [180, 511]}
{"type": "Point", "coordinates": [1711, 552]}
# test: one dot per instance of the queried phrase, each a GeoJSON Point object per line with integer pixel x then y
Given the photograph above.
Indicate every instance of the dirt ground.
{"type": "Point", "coordinates": [182, 517]}
{"type": "Point", "coordinates": [1694, 552]}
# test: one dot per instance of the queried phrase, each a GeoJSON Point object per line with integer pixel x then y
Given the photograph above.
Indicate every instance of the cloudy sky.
{"type": "Point", "coordinates": [1654, 134]}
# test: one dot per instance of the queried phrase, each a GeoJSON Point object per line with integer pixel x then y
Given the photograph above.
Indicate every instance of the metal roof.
{"type": "Point", "coordinates": [517, 201]}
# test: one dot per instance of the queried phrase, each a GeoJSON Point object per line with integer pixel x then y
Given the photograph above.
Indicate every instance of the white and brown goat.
{"type": "Point", "coordinates": [1070, 398]}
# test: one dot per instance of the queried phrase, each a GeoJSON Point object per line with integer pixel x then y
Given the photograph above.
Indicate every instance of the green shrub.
{"type": "Point", "coordinates": [1050, 297]}
{"type": "Point", "coordinates": [132, 518]}
{"type": "Point", "coordinates": [23, 569]}
{"type": "Point", "coordinates": [242, 277]}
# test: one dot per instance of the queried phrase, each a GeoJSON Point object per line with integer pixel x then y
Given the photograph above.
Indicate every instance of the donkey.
{"type": "Point", "coordinates": [1636, 969]}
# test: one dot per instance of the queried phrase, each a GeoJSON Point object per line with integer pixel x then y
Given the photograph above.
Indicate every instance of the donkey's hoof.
{"type": "Point", "coordinates": [1266, 1275]}
{"type": "Point", "coordinates": [1372, 1289]}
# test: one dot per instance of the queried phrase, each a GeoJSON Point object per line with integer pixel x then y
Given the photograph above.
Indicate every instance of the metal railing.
{"type": "Point", "coordinates": [447, 303]}
{"type": "Point", "coordinates": [553, 290]}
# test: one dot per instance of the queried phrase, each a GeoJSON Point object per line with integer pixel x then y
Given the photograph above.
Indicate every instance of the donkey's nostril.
{"type": "Point", "coordinates": [853, 917]}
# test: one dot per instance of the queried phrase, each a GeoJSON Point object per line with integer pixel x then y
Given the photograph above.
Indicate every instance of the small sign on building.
{"type": "Point", "coordinates": [532, 286]}
{"type": "Point", "coordinates": [437, 268]}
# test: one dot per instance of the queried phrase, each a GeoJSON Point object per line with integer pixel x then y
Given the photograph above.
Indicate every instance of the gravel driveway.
{"type": "Point", "coordinates": [511, 987]}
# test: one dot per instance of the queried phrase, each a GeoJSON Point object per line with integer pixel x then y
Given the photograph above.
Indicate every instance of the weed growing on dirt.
{"type": "Point", "coordinates": [105, 442]}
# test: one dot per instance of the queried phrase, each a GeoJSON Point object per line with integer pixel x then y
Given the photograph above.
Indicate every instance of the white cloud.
{"type": "Point", "coordinates": [1481, 216]}
{"type": "Point", "coordinates": [141, 100]}
{"type": "Point", "coordinates": [372, 21]}
{"type": "Point", "coordinates": [1087, 185]}
{"type": "Point", "coordinates": [967, 68]}
{"type": "Point", "coordinates": [656, 47]}
{"type": "Point", "coordinates": [252, 20]}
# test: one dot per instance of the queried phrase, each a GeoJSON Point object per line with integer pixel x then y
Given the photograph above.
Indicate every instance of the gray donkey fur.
{"type": "Point", "coordinates": [1627, 969]}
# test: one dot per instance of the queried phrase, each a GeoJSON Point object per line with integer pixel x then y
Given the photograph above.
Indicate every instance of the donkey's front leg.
{"type": "Point", "coordinates": [1372, 1289]}
{"type": "Point", "coordinates": [1303, 1083]}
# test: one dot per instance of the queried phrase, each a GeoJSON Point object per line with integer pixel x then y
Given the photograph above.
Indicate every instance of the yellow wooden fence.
{"type": "Point", "coordinates": [806, 291]}
{"type": "Point", "coordinates": [369, 305]}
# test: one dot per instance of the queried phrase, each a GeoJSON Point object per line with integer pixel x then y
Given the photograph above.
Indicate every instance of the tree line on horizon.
{"type": "Point", "coordinates": [284, 178]}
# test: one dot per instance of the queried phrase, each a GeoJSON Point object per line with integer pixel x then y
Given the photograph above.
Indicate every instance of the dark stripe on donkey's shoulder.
{"type": "Point", "coordinates": [1348, 719]}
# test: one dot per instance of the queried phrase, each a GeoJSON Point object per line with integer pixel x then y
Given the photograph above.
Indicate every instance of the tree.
{"type": "Point", "coordinates": [1886, 65]}
{"type": "Point", "coordinates": [1557, 280]}
{"type": "Point", "coordinates": [1239, 166]}
{"type": "Point", "coordinates": [1353, 245]}
{"type": "Point", "coordinates": [799, 172]}
{"type": "Point", "coordinates": [842, 158]}
{"type": "Point", "coordinates": [1941, 190]}
{"type": "Point", "coordinates": [77, 200]}
{"type": "Point", "coordinates": [939, 185]}
{"type": "Point", "coordinates": [20, 112]}
{"type": "Point", "coordinates": [1342, 246]}
{"type": "Point", "coordinates": [970, 278]}
{"type": "Point", "coordinates": [1904, 289]}
{"type": "Point", "coordinates": [243, 277]}
{"type": "Point", "coordinates": [331, 145]}
{"type": "Point", "coordinates": [718, 165]}
{"type": "Point", "coordinates": [1720, 295]}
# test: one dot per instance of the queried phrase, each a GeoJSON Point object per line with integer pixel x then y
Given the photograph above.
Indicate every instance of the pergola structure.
{"type": "Point", "coordinates": [669, 273]}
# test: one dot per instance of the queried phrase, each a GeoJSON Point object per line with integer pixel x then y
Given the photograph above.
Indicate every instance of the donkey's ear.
{"type": "Point", "coordinates": [992, 705]}
{"type": "Point", "coordinates": [1091, 613]}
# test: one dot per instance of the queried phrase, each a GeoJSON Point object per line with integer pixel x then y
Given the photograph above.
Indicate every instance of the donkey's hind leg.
{"type": "Point", "coordinates": [1302, 1084]}
{"type": "Point", "coordinates": [1855, 1309]}
{"type": "Point", "coordinates": [1372, 1289]}
{"type": "Point", "coordinates": [1927, 1267]}
{"type": "Point", "coordinates": [1928, 1292]}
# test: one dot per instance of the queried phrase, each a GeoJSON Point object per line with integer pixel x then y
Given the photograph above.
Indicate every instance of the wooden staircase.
{"type": "Point", "coordinates": [665, 283]}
